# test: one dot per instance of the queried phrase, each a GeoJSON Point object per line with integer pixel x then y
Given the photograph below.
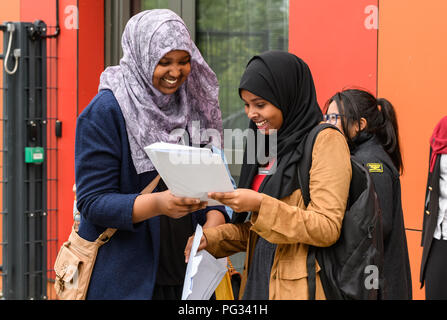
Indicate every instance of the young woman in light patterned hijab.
{"type": "Point", "coordinates": [161, 84]}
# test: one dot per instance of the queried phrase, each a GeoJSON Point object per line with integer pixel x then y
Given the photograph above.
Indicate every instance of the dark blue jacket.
{"type": "Point", "coordinates": [106, 187]}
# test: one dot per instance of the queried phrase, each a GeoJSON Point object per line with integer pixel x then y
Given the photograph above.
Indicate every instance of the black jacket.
{"type": "Point", "coordinates": [386, 180]}
{"type": "Point", "coordinates": [431, 209]}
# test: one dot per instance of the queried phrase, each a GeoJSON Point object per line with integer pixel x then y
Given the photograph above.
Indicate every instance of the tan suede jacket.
{"type": "Point", "coordinates": [292, 226]}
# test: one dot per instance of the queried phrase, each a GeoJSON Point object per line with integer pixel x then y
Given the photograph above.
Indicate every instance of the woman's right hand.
{"type": "Point", "coordinates": [177, 207]}
{"type": "Point", "coordinates": [202, 245]}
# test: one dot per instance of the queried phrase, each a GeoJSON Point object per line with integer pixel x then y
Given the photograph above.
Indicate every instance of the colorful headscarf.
{"type": "Point", "coordinates": [151, 116]}
{"type": "Point", "coordinates": [438, 142]}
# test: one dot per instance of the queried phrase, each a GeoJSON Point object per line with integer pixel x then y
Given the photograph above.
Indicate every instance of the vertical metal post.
{"type": "Point", "coordinates": [24, 198]}
{"type": "Point", "coordinates": [13, 133]}
{"type": "Point", "coordinates": [4, 212]}
{"type": "Point", "coordinates": [188, 15]}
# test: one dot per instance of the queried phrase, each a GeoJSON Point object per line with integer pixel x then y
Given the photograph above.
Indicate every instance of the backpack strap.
{"type": "Point", "coordinates": [306, 160]}
{"type": "Point", "coordinates": [311, 273]}
{"type": "Point", "coordinates": [304, 178]}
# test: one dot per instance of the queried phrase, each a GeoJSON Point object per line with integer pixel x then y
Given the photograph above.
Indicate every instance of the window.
{"type": "Point", "coordinates": [228, 34]}
{"type": "Point", "coordinates": [154, 4]}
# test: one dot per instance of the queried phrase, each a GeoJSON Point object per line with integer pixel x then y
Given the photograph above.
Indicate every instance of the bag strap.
{"type": "Point", "coordinates": [306, 160]}
{"type": "Point", "coordinates": [109, 232]}
{"type": "Point", "coordinates": [304, 180]}
{"type": "Point", "coordinates": [151, 186]}
{"type": "Point", "coordinates": [105, 236]}
{"type": "Point", "coordinates": [311, 273]}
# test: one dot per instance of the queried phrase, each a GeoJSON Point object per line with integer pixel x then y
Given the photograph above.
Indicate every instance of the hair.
{"type": "Point", "coordinates": [380, 115]}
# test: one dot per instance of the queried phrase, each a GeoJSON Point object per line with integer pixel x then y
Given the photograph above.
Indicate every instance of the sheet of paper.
{"type": "Point", "coordinates": [203, 272]}
{"type": "Point", "coordinates": [191, 268]}
{"type": "Point", "coordinates": [190, 172]}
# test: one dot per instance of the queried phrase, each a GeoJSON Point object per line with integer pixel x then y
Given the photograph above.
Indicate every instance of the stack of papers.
{"type": "Point", "coordinates": [203, 272]}
{"type": "Point", "coordinates": [190, 172]}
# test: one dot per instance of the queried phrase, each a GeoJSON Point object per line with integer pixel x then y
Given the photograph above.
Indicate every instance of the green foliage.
{"type": "Point", "coordinates": [230, 32]}
{"type": "Point", "coordinates": [154, 4]}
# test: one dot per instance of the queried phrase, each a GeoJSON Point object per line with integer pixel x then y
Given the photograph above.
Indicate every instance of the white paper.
{"type": "Point", "coordinates": [190, 172]}
{"type": "Point", "coordinates": [203, 272]}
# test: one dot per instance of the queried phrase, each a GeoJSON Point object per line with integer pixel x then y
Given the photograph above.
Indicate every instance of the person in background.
{"type": "Point", "coordinates": [278, 92]}
{"type": "Point", "coordinates": [434, 232]}
{"type": "Point", "coordinates": [371, 130]}
{"type": "Point", "coordinates": [162, 83]}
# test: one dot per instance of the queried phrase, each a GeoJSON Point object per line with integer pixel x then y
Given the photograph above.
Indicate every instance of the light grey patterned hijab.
{"type": "Point", "coordinates": [150, 115]}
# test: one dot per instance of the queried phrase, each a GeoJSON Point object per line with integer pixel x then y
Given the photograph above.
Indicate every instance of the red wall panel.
{"type": "Point", "coordinates": [67, 97]}
{"type": "Point", "coordinates": [338, 40]}
{"type": "Point", "coordinates": [91, 50]}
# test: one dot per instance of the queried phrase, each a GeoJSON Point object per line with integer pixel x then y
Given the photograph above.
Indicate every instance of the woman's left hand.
{"type": "Point", "coordinates": [240, 200]}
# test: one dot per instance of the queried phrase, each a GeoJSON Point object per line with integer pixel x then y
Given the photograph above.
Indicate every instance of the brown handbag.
{"type": "Point", "coordinates": [76, 259]}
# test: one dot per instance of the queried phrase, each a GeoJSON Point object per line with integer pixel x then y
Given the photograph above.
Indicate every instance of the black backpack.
{"type": "Point", "coordinates": [349, 268]}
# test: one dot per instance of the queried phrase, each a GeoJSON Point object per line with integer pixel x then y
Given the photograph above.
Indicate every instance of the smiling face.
{"type": "Point", "coordinates": [264, 114]}
{"type": "Point", "coordinates": [172, 71]}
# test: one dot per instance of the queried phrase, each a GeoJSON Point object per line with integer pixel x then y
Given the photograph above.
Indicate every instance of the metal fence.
{"type": "Point", "coordinates": [53, 132]}
{"type": "Point", "coordinates": [28, 156]}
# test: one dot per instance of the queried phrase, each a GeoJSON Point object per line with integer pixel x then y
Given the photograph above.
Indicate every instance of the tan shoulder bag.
{"type": "Point", "coordinates": [76, 259]}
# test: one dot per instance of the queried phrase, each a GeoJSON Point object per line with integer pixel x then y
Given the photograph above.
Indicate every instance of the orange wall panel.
{"type": "Point", "coordinates": [9, 11]}
{"type": "Point", "coordinates": [412, 69]}
{"type": "Point", "coordinates": [414, 246]}
{"type": "Point", "coordinates": [338, 40]}
{"type": "Point", "coordinates": [402, 61]}
{"type": "Point", "coordinates": [31, 10]}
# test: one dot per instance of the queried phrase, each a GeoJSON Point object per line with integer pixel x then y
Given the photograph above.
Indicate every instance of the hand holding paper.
{"type": "Point", "coordinates": [202, 245]}
{"type": "Point", "coordinates": [176, 207]}
{"type": "Point", "coordinates": [190, 172]}
{"type": "Point", "coordinates": [240, 200]}
{"type": "Point", "coordinates": [203, 272]}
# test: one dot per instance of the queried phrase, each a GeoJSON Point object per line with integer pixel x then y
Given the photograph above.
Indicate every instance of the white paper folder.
{"type": "Point", "coordinates": [203, 272]}
{"type": "Point", "coordinates": [190, 172]}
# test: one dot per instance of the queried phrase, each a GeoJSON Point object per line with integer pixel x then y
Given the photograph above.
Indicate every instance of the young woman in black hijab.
{"type": "Point", "coordinates": [279, 96]}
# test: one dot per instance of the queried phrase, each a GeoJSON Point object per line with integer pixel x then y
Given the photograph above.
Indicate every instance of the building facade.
{"type": "Point", "coordinates": [392, 48]}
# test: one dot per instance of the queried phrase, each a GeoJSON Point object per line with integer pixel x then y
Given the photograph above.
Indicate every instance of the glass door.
{"type": "Point", "coordinates": [229, 33]}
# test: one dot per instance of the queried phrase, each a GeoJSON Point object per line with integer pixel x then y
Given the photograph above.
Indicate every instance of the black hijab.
{"type": "Point", "coordinates": [284, 80]}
